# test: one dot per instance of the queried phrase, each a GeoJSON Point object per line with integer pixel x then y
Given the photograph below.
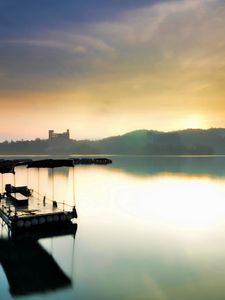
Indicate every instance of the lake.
{"type": "Point", "coordinates": [148, 228]}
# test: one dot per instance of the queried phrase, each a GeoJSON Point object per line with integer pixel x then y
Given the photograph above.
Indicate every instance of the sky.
{"type": "Point", "coordinates": [105, 67]}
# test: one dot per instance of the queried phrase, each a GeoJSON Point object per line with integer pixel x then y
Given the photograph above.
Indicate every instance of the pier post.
{"type": "Point", "coordinates": [2, 185]}
{"type": "Point", "coordinates": [27, 176]}
{"type": "Point", "coordinates": [73, 188]}
{"type": "Point", "coordinates": [53, 188]}
{"type": "Point", "coordinates": [14, 179]}
{"type": "Point", "coordinates": [38, 185]}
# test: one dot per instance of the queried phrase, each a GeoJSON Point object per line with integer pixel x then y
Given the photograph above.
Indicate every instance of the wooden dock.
{"type": "Point", "coordinates": [21, 212]}
{"type": "Point", "coordinates": [19, 199]}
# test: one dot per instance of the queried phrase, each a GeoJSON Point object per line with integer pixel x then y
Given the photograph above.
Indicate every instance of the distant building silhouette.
{"type": "Point", "coordinates": [58, 137]}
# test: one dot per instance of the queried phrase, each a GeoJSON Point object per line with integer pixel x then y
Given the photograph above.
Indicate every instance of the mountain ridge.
{"type": "Point", "coordinates": [142, 142]}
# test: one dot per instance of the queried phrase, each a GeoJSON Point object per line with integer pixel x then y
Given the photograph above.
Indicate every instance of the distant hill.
{"type": "Point", "coordinates": [145, 142]}
{"type": "Point", "coordinates": [129, 143]}
{"type": "Point", "coordinates": [140, 142]}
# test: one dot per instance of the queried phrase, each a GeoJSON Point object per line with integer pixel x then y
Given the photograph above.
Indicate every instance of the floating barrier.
{"type": "Point", "coordinates": [14, 221]}
{"type": "Point", "coordinates": [90, 161]}
{"type": "Point", "coordinates": [50, 163]}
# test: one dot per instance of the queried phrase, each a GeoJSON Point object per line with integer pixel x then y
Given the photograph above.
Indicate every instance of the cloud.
{"type": "Point", "coordinates": [168, 39]}
{"type": "Point", "coordinates": [167, 56]}
{"type": "Point", "coordinates": [63, 40]}
{"type": "Point", "coordinates": [165, 37]}
{"type": "Point", "coordinates": [140, 25]}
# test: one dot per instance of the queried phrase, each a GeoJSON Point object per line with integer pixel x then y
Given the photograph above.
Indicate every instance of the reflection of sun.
{"type": "Point", "coordinates": [194, 122]}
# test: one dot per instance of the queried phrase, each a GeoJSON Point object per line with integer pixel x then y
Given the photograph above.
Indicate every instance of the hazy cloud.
{"type": "Point", "coordinates": [157, 57]}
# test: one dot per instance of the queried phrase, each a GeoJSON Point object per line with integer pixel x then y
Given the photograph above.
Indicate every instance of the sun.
{"type": "Point", "coordinates": [194, 122]}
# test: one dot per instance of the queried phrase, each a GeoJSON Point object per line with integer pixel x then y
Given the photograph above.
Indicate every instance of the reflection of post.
{"type": "Point", "coordinates": [52, 246]}
{"type": "Point", "coordinates": [72, 271]}
{"type": "Point", "coordinates": [2, 184]}
{"type": "Point", "coordinates": [38, 185]}
{"type": "Point", "coordinates": [1, 229]}
{"type": "Point", "coordinates": [53, 193]}
{"type": "Point", "coordinates": [28, 177]}
{"type": "Point", "coordinates": [73, 189]}
{"type": "Point", "coordinates": [14, 179]}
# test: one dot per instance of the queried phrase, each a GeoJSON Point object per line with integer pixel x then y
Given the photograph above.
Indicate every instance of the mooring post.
{"type": "Point", "coordinates": [53, 184]}
{"type": "Point", "coordinates": [14, 179]}
{"type": "Point", "coordinates": [28, 177]}
{"type": "Point", "coordinates": [2, 185]}
{"type": "Point", "coordinates": [73, 188]}
{"type": "Point", "coordinates": [38, 186]}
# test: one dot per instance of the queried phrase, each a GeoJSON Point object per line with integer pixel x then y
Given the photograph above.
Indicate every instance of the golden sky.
{"type": "Point", "coordinates": [158, 65]}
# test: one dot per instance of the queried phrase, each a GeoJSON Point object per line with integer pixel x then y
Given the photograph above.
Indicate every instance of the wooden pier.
{"type": "Point", "coordinates": [21, 212]}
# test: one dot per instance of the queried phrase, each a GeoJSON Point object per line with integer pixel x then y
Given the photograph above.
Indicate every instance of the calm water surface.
{"type": "Point", "coordinates": [148, 228]}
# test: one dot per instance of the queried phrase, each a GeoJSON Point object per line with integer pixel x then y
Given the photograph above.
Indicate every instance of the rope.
{"type": "Point", "coordinates": [50, 200]}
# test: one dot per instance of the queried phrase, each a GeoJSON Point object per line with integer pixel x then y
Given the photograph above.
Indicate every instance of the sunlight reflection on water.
{"type": "Point", "coordinates": [156, 234]}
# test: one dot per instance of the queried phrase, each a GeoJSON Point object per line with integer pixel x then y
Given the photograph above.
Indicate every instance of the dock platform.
{"type": "Point", "coordinates": [20, 210]}
{"type": "Point", "coordinates": [23, 212]}
{"type": "Point", "coordinates": [19, 199]}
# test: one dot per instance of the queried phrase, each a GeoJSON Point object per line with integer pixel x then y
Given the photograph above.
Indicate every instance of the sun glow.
{"type": "Point", "coordinates": [194, 122]}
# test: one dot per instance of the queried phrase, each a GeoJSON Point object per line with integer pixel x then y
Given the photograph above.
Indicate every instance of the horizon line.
{"type": "Point", "coordinates": [118, 135]}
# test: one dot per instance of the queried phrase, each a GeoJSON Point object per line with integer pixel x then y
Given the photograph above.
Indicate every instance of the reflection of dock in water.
{"type": "Point", "coordinates": [29, 268]}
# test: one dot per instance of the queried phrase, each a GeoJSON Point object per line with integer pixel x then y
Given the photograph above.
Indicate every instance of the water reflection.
{"type": "Point", "coordinates": [29, 267]}
{"type": "Point", "coordinates": [149, 228]}
{"type": "Point", "coordinates": [63, 171]}
{"type": "Point", "coordinates": [150, 166]}
{"type": "Point", "coordinates": [157, 236]}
